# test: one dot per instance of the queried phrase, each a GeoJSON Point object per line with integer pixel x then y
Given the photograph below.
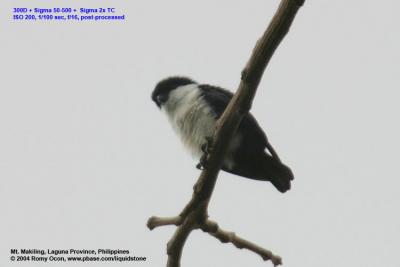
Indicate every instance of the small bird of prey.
{"type": "Point", "coordinates": [193, 110]}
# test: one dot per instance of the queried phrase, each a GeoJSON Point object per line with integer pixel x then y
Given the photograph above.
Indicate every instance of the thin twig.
{"type": "Point", "coordinates": [213, 229]}
{"type": "Point", "coordinates": [155, 221]}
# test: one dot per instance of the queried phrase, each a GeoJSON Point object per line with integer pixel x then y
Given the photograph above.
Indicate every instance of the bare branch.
{"type": "Point", "coordinates": [224, 236]}
{"type": "Point", "coordinates": [176, 243]}
{"type": "Point", "coordinates": [155, 221]}
{"type": "Point", "coordinates": [195, 213]}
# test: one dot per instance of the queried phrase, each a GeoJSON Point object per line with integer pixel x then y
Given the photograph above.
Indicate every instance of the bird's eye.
{"type": "Point", "coordinates": [161, 99]}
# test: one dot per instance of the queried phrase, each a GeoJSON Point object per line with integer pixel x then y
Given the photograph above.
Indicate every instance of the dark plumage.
{"type": "Point", "coordinates": [247, 154]}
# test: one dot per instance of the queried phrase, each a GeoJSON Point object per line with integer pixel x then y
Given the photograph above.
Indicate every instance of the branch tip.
{"type": "Point", "coordinates": [155, 221]}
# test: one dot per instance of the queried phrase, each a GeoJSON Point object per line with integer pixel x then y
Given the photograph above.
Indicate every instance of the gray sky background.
{"type": "Point", "coordinates": [86, 157]}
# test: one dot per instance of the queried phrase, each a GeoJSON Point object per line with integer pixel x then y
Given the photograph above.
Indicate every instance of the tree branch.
{"type": "Point", "coordinates": [155, 221]}
{"type": "Point", "coordinates": [195, 213]}
{"type": "Point", "coordinates": [224, 236]}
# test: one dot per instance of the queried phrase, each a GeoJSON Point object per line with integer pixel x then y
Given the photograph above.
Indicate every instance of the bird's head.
{"type": "Point", "coordinates": [165, 87]}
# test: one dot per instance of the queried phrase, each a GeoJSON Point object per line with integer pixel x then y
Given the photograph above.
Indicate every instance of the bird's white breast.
{"type": "Point", "coordinates": [190, 116]}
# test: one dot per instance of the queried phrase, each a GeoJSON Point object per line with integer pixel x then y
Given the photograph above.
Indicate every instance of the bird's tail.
{"type": "Point", "coordinates": [277, 173]}
{"type": "Point", "coordinates": [263, 167]}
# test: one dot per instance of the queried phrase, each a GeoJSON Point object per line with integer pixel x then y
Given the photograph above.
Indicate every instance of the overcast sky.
{"type": "Point", "coordinates": [86, 157]}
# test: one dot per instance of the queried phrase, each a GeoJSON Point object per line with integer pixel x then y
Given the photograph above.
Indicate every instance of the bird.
{"type": "Point", "coordinates": [193, 110]}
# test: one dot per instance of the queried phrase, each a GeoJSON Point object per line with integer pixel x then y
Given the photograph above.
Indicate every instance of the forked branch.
{"type": "Point", "coordinates": [195, 214]}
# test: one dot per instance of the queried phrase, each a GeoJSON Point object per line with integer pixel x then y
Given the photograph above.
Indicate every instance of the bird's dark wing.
{"type": "Point", "coordinates": [254, 138]}
{"type": "Point", "coordinates": [251, 159]}
{"type": "Point", "coordinates": [217, 98]}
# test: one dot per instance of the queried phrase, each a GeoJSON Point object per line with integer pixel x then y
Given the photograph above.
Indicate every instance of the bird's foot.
{"type": "Point", "coordinates": [203, 162]}
{"type": "Point", "coordinates": [206, 148]}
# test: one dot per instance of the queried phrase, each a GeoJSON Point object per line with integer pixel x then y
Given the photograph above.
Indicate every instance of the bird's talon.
{"type": "Point", "coordinates": [203, 162]}
{"type": "Point", "coordinates": [199, 166]}
{"type": "Point", "coordinates": [207, 146]}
